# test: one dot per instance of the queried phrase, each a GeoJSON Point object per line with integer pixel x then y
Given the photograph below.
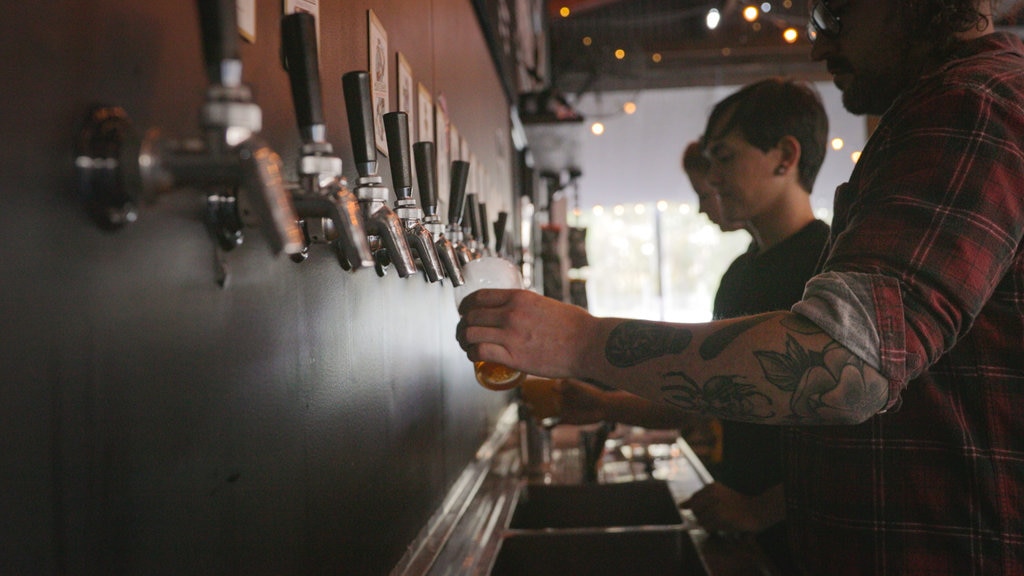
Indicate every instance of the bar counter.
{"type": "Point", "coordinates": [465, 536]}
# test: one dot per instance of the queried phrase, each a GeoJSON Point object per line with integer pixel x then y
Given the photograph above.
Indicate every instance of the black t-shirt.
{"type": "Point", "coordinates": [759, 282]}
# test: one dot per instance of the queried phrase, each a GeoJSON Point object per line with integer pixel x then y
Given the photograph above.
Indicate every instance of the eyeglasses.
{"type": "Point", "coordinates": [823, 21]}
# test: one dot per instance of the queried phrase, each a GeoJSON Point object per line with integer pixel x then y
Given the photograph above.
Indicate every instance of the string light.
{"type": "Point", "coordinates": [750, 13]}
{"type": "Point", "coordinates": [713, 18]}
{"type": "Point", "coordinates": [597, 128]}
{"type": "Point", "coordinates": [564, 11]}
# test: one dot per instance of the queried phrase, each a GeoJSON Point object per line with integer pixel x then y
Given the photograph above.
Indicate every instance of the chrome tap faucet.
{"type": "Point", "coordinates": [329, 212]}
{"type": "Point", "coordinates": [425, 156]}
{"type": "Point", "coordinates": [396, 128]}
{"type": "Point", "coordinates": [231, 154]}
{"type": "Point", "coordinates": [387, 234]}
{"type": "Point", "coordinates": [239, 173]}
{"type": "Point", "coordinates": [456, 208]}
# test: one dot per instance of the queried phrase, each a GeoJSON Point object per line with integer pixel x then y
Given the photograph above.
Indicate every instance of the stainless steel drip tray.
{"type": "Point", "coordinates": [648, 551]}
{"type": "Point", "coordinates": [642, 503]}
{"type": "Point", "coordinates": [595, 530]}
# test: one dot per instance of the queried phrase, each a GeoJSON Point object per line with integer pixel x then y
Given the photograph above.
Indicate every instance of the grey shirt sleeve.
{"type": "Point", "coordinates": [841, 304]}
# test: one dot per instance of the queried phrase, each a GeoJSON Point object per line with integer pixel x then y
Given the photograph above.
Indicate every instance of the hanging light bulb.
{"type": "Point", "coordinates": [713, 18]}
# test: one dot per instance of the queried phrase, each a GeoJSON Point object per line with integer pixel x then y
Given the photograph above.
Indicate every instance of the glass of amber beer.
{"type": "Point", "coordinates": [491, 272]}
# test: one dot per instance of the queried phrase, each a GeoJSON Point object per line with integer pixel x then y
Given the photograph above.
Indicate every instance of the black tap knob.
{"type": "Point", "coordinates": [359, 105]}
{"type": "Point", "coordinates": [300, 59]}
{"type": "Point", "coordinates": [499, 231]}
{"type": "Point", "coordinates": [485, 234]}
{"type": "Point", "coordinates": [425, 156]}
{"type": "Point", "coordinates": [457, 196]}
{"type": "Point", "coordinates": [473, 215]}
{"type": "Point", "coordinates": [396, 129]}
{"type": "Point", "coordinates": [218, 22]}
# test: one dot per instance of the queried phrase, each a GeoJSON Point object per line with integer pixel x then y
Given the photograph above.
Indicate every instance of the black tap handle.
{"type": "Point", "coordinates": [485, 234]}
{"type": "Point", "coordinates": [218, 23]}
{"type": "Point", "coordinates": [425, 157]}
{"type": "Point", "coordinates": [499, 231]}
{"type": "Point", "coordinates": [396, 129]}
{"type": "Point", "coordinates": [457, 197]}
{"type": "Point", "coordinates": [473, 213]}
{"type": "Point", "coordinates": [359, 105]}
{"type": "Point", "coordinates": [300, 59]}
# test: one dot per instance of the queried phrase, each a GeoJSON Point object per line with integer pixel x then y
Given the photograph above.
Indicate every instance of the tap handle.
{"type": "Point", "coordinates": [218, 23]}
{"type": "Point", "coordinates": [457, 198]}
{"type": "Point", "coordinates": [426, 175]}
{"type": "Point", "coordinates": [485, 234]}
{"type": "Point", "coordinates": [473, 214]}
{"type": "Point", "coordinates": [358, 103]}
{"type": "Point", "coordinates": [499, 231]}
{"type": "Point", "coordinates": [396, 129]}
{"type": "Point", "coordinates": [300, 59]}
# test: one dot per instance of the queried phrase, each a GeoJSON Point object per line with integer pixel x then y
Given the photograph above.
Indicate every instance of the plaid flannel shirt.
{"type": "Point", "coordinates": [926, 241]}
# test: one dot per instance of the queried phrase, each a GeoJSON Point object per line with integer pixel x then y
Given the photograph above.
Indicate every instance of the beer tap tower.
{"type": "Point", "coordinates": [329, 211]}
{"type": "Point", "coordinates": [396, 128]}
{"type": "Point", "coordinates": [425, 156]}
{"type": "Point", "coordinates": [238, 172]}
{"type": "Point", "coordinates": [387, 236]}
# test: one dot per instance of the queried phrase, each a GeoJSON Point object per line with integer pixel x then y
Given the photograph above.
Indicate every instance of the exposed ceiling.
{"type": "Point", "coordinates": [665, 44]}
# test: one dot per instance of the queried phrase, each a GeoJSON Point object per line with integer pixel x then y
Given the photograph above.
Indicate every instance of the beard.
{"type": "Point", "coordinates": [873, 93]}
{"type": "Point", "coordinates": [871, 88]}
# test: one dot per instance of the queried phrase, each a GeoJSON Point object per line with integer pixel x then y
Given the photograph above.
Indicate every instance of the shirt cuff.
{"type": "Point", "coordinates": [863, 312]}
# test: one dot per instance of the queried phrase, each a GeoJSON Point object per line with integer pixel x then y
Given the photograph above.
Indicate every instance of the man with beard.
{"type": "Point", "coordinates": [903, 364]}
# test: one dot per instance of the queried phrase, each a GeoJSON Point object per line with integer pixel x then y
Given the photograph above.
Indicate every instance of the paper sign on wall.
{"type": "Point", "coordinates": [378, 47]}
{"type": "Point", "coordinates": [245, 13]}
{"type": "Point", "coordinates": [426, 114]}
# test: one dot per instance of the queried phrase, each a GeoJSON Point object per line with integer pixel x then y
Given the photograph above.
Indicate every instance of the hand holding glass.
{"type": "Point", "coordinates": [491, 272]}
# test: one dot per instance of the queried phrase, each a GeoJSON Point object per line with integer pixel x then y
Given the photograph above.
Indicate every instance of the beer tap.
{"type": "Point", "coordinates": [396, 128]}
{"type": "Point", "coordinates": [485, 234]}
{"type": "Point", "coordinates": [425, 156]}
{"type": "Point", "coordinates": [456, 208]}
{"type": "Point", "coordinates": [238, 172]}
{"type": "Point", "coordinates": [473, 219]}
{"type": "Point", "coordinates": [499, 233]}
{"type": "Point", "coordinates": [328, 210]}
{"type": "Point", "coordinates": [387, 237]}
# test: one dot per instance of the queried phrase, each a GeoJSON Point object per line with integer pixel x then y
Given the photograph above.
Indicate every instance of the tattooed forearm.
{"type": "Point", "coordinates": [724, 396]}
{"type": "Point", "coordinates": [634, 341]}
{"type": "Point", "coordinates": [828, 385]}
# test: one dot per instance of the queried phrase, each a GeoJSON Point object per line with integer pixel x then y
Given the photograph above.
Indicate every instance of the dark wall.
{"type": "Point", "coordinates": [301, 420]}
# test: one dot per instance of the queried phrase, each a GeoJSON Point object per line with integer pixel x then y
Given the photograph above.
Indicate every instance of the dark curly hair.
{"type": "Point", "coordinates": [939, 21]}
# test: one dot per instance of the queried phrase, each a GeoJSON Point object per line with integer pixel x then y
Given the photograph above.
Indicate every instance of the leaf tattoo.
{"type": "Point", "coordinates": [635, 341]}
{"type": "Point", "coordinates": [785, 369]}
{"type": "Point", "coordinates": [714, 344]}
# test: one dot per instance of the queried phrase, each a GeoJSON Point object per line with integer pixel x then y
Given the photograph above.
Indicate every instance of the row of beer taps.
{"type": "Point", "coordinates": [243, 178]}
